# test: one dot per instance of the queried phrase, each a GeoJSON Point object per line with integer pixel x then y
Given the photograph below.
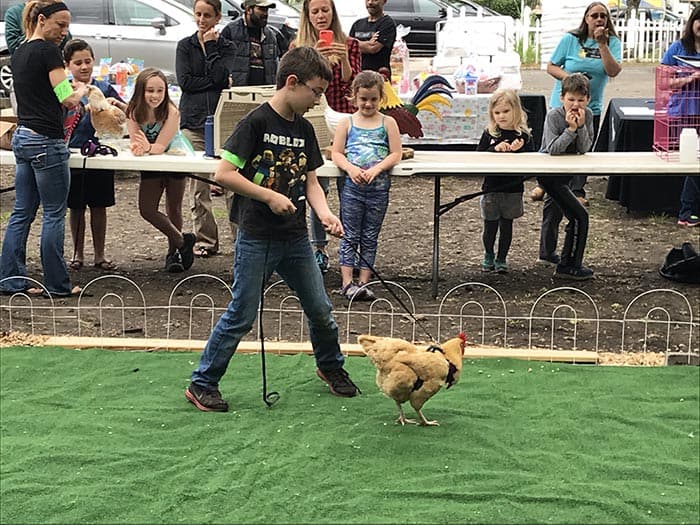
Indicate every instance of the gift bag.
{"type": "Point", "coordinates": [180, 146]}
{"type": "Point", "coordinates": [400, 61]}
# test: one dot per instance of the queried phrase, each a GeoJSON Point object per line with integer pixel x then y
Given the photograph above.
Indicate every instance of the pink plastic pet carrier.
{"type": "Point", "coordinates": [676, 106]}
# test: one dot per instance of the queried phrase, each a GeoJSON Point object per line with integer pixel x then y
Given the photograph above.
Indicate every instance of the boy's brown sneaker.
{"type": "Point", "coordinates": [339, 382]}
{"type": "Point", "coordinates": [206, 400]}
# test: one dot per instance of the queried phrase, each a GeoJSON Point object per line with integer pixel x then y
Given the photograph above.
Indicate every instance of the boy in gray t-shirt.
{"type": "Point", "coordinates": [567, 130]}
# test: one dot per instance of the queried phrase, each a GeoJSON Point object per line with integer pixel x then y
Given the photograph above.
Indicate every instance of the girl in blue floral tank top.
{"type": "Point", "coordinates": [366, 146]}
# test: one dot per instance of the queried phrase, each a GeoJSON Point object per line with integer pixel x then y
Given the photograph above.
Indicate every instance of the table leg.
{"type": "Point", "coordinates": [436, 235]}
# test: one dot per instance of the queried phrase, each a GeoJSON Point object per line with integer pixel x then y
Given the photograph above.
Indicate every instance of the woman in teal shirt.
{"type": "Point", "coordinates": [593, 49]}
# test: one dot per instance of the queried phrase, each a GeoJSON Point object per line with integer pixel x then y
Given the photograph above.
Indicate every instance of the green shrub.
{"type": "Point", "coordinates": [505, 7]}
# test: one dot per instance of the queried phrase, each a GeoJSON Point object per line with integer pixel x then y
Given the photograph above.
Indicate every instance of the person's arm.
{"type": "Point", "coordinates": [678, 79]}
{"type": "Point", "coordinates": [556, 71]}
{"type": "Point", "coordinates": [67, 95]}
{"type": "Point", "coordinates": [485, 142]}
{"type": "Point", "coordinates": [215, 66]}
{"type": "Point", "coordinates": [228, 175]}
{"type": "Point", "coordinates": [316, 198]}
{"type": "Point", "coordinates": [556, 136]}
{"type": "Point", "coordinates": [14, 32]}
{"type": "Point", "coordinates": [355, 59]}
{"type": "Point", "coordinates": [385, 36]}
{"type": "Point", "coordinates": [117, 102]}
{"type": "Point", "coordinates": [584, 134]}
{"type": "Point", "coordinates": [112, 96]}
{"type": "Point", "coordinates": [371, 46]}
{"type": "Point", "coordinates": [341, 51]}
{"type": "Point", "coordinates": [394, 156]}
{"type": "Point", "coordinates": [611, 64]}
{"type": "Point", "coordinates": [375, 43]}
{"type": "Point", "coordinates": [138, 143]}
{"type": "Point", "coordinates": [167, 132]}
{"type": "Point", "coordinates": [185, 56]}
{"type": "Point", "coordinates": [529, 146]}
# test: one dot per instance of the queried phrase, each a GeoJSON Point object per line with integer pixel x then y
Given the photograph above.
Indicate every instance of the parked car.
{"type": "Point", "coordinates": [283, 17]}
{"type": "Point", "coordinates": [657, 15]}
{"type": "Point", "coordinates": [470, 8]}
{"type": "Point", "coordinates": [421, 15]}
{"type": "Point", "coordinates": [282, 14]}
{"type": "Point", "coordinates": [146, 29]}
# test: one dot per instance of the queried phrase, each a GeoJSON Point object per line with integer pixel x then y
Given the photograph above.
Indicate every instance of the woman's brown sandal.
{"type": "Point", "coordinates": [106, 266]}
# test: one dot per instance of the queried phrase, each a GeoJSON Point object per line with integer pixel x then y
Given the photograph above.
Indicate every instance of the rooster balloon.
{"type": "Point", "coordinates": [434, 91]}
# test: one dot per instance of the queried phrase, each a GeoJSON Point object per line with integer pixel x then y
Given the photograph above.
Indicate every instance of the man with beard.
{"type": "Point", "coordinates": [376, 34]}
{"type": "Point", "coordinates": [256, 53]}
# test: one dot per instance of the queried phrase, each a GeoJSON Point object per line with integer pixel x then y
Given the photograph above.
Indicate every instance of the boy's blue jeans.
{"type": "Point", "coordinates": [41, 176]}
{"type": "Point", "coordinates": [255, 261]}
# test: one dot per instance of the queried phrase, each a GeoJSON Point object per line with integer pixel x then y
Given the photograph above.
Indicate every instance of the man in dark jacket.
{"type": "Point", "coordinates": [256, 53]}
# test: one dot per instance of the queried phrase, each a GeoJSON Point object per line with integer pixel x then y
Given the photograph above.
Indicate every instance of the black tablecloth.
{"type": "Point", "coordinates": [534, 105]}
{"type": "Point", "coordinates": [625, 132]}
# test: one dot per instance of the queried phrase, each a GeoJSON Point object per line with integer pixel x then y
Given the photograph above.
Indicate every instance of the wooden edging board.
{"type": "Point", "coordinates": [288, 348]}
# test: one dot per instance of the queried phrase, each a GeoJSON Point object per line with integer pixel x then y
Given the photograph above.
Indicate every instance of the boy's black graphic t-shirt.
{"type": "Point", "coordinates": [275, 153]}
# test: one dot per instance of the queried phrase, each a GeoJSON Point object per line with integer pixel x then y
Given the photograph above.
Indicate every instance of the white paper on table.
{"type": "Point", "coordinates": [637, 111]}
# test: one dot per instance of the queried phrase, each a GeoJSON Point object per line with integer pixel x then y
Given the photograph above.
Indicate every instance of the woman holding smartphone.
{"type": "Point", "coordinates": [319, 27]}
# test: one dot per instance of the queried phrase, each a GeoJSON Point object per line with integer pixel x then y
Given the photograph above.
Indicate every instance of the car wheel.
{"type": "Point", "coordinates": [5, 75]}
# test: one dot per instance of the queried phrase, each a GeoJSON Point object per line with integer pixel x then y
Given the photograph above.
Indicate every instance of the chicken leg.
{"type": "Point", "coordinates": [426, 422]}
{"type": "Point", "coordinates": [402, 418]}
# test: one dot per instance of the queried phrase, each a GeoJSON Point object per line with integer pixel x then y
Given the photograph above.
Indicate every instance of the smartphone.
{"type": "Point", "coordinates": [325, 36]}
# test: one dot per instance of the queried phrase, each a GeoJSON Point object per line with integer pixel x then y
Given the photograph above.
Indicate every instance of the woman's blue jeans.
{"type": "Point", "coordinates": [41, 176]}
{"type": "Point", "coordinates": [319, 239]}
{"type": "Point", "coordinates": [690, 198]}
{"type": "Point", "coordinates": [255, 261]}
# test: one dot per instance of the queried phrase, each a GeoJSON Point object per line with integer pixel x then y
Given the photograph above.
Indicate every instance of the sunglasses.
{"type": "Point", "coordinates": [91, 148]}
{"type": "Point", "coordinates": [596, 16]}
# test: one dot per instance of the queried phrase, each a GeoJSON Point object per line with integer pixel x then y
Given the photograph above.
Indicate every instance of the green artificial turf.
{"type": "Point", "coordinates": [108, 437]}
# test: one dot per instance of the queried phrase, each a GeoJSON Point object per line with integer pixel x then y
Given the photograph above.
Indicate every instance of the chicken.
{"type": "Point", "coordinates": [109, 121]}
{"type": "Point", "coordinates": [407, 373]}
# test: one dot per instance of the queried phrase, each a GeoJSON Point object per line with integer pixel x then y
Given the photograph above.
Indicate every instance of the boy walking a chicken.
{"type": "Point", "coordinates": [270, 210]}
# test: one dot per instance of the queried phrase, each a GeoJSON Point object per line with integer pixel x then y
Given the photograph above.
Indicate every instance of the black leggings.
{"type": "Point", "coordinates": [504, 240]}
{"type": "Point", "coordinates": [563, 203]}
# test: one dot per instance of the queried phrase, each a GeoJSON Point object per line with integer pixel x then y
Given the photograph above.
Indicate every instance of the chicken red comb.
{"type": "Point", "coordinates": [463, 337]}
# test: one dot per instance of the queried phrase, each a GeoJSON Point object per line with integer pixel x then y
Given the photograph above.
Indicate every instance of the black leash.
{"type": "Point", "coordinates": [393, 294]}
{"type": "Point", "coordinates": [204, 179]}
{"type": "Point", "coordinates": [444, 208]}
{"type": "Point", "coordinates": [272, 397]}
